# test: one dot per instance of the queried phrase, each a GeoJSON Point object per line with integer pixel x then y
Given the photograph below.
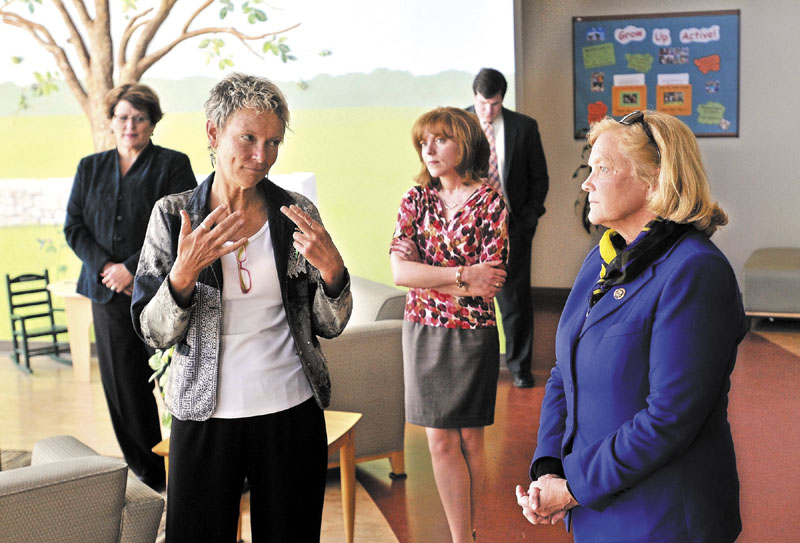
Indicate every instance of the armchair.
{"type": "Point", "coordinates": [366, 367]}
{"type": "Point", "coordinates": [70, 494]}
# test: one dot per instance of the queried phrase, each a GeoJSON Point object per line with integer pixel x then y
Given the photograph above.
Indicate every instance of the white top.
{"type": "Point", "coordinates": [259, 370]}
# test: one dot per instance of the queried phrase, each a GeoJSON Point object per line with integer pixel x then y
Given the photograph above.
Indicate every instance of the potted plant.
{"type": "Point", "coordinates": [159, 363]}
{"type": "Point", "coordinates": [581, 204]}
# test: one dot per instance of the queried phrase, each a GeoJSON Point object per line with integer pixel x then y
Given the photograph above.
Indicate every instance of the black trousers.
{"type": "Point", "coordinates": [516, 307]}
{"type": "Point", "coordinates": [124, 372]}
{"type": "Point", "coordinates": [284, 456]}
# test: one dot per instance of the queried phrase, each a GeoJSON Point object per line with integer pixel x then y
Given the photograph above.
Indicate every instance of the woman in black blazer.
{"type": "Point", "coordinates": [107, 214]}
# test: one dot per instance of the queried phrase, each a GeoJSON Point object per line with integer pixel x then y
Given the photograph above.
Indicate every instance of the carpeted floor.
{"type": "Point", "coordinates": [371, 526]}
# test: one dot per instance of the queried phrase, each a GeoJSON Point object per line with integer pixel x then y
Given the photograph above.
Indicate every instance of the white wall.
{"type": "Point", "coordinates": [755, 177]}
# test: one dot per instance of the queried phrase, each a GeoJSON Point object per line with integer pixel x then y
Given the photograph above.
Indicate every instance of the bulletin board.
{"type": "Point", "coordinates": [684, 64]}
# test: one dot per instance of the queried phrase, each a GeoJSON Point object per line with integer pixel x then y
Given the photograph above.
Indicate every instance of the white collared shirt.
{"type": "Point", "coordinates": [500, 147]}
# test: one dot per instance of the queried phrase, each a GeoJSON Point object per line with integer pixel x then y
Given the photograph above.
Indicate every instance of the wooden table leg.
{"type": "Point", "coordinates": [348, 475]}
{"type": "Point", "coordinates": [78, 314]}
{"type": "Point", "coordinates": [239, 528]}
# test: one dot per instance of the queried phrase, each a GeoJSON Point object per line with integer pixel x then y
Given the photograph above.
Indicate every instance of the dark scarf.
{"type": "Point", "coordinates": [622, 263]}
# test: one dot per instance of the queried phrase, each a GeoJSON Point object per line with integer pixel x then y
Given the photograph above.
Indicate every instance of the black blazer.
{"type": "Point", "coordinates": [525, 169]}
{"type": "Point", "coordinates": [107, 215]}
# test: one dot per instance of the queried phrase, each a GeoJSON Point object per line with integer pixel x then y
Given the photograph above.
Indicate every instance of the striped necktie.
{"type": "Point", "coordinates": [493, 179]}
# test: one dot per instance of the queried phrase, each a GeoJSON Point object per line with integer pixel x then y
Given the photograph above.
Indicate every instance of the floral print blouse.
{"type": "Point", "coordinates": [476, 233]}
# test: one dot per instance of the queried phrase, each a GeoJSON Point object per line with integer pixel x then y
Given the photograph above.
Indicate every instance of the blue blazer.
{"type": "Point", "coordinates": [636, 405]}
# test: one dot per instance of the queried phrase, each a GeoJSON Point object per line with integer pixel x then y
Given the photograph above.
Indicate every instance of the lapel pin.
{"type": "Point", "coordinates": [619, 293]}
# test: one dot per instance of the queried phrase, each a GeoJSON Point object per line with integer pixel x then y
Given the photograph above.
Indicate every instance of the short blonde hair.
{"type": "Point", "coordinates": [679, 184]}
{"type": "Point", "coordinates": [239, 91]}
{"type": "Point", "coordinates": [463, 128]}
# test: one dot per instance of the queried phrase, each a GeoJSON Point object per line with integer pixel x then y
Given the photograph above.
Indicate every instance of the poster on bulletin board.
{"type": "Point", "coordinates": [684, 64]}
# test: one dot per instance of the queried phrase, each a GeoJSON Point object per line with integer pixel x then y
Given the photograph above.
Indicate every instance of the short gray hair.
{"type": "Point", "coordinates": [238, 91]}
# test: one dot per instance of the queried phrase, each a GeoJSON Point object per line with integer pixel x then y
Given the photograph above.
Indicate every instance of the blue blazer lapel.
{"type": "Point", "coordinates": [616, 298]}
{"type": "Point", "coordinates": [621, 294]}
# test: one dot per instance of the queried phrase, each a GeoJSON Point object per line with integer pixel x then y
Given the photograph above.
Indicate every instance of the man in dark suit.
{"type": "Point", "coordinates": [518, 168]}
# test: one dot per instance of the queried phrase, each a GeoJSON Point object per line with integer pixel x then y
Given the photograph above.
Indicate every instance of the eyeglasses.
{"type": "Point", "coordinates": [638, 117]}
{"type": "Point", "coordinates": [245, 283]}
{"type": "Point", "coordinates": [138, 119]}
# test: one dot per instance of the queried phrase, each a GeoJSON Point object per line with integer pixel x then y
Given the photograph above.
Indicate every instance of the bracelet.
{"type": "Point", "coordinates": [459, 282]}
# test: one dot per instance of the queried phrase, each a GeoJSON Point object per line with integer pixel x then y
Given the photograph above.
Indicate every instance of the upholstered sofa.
{"type": "Point", "coordinates": [772, 283]}
{"type": "Point", "coordinates": [366, 365]}
{"type": "Point", "coordinates": [70, 494]}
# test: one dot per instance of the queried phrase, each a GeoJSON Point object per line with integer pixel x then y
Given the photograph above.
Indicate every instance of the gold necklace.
{"type": "Point", "coordinates": [457, 204]}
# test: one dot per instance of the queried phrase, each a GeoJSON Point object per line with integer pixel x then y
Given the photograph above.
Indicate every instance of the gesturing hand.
{"type": "Point", "coordinates": [313, 242]}
{"type": "Point", "coordinates": [199, 248]}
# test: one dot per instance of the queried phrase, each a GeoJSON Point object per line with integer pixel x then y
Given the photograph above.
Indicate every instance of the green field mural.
{"type": "Point", "coordinates": [352, 109]}
{"type": "Point", "coordinates": [362, 159]}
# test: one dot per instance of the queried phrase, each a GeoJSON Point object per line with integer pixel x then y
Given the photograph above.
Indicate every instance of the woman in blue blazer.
{"type": "Point", "coordinates": [634, 443]}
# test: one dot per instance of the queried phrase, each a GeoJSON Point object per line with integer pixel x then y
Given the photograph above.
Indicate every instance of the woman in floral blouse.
{"type": "Point", "coordinates": [449, 247]}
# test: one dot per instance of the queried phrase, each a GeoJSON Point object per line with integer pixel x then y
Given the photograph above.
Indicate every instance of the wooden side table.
{"type": "Point", "coordinates": [340, 426]}
{"type": "Point", "coordinates": [78, 313]}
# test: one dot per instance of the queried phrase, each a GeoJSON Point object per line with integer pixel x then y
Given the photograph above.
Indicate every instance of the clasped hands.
{"type": "Point", "coordinates": [115, 276]}
{"type": "Point", "coordinates": [546, 501]}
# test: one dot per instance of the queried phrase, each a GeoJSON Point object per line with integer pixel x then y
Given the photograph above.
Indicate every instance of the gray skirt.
{"type": "Point", "coordinates": [450, 375]}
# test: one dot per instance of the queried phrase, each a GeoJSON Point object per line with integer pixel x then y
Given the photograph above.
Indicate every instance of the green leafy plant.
{"type": "Point", "coordinates": [54, 246]}
{"type": "Point", "coordinates": [45, 85]}
{"type": "Point", "coordinates": [254, 15]}
{"type": "Point", "coordinates": [159, 363]}
{"type": "Point", "coordinates": [279, 48]}
{"type": "Point", "coordinates": [581, 204]}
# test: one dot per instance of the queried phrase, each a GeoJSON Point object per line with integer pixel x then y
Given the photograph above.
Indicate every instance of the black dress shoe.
{"type": "Point", "coordinates": [522, 379]}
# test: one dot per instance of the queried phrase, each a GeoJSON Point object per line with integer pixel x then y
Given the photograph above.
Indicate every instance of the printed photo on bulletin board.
{"type": "Point", "coordinates": [685, 64]}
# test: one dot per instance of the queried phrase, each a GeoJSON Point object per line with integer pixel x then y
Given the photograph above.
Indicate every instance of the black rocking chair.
{"type": "Point", "coordinates": [32, 316]}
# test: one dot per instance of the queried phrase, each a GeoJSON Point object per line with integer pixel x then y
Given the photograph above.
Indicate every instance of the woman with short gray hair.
{"type": "Point", "coordinates": [242, 277]}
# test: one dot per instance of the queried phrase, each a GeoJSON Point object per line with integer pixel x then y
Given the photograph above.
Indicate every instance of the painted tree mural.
{"type": "Point", "coordinates": [92, 61]}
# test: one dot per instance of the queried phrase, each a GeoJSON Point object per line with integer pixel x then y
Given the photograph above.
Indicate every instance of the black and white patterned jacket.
{"type": "Point", "coordinates": [191, 392]}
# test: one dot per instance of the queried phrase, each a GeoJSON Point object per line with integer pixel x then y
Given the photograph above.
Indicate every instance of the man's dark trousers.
{"type": "Point", "coordinates": [516, 308]}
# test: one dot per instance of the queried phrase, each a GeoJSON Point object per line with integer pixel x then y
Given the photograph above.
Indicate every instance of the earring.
{"type": "Point", "coordinates": [213, 159]}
